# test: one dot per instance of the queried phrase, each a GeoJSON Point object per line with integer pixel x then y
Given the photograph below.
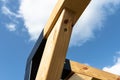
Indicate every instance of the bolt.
{"type": "Point", "coordinates": [65, 29]}
{"type": "Point", "coordinates": [66, 21]}
{"type": "Point", "coordinates": [118, 78]}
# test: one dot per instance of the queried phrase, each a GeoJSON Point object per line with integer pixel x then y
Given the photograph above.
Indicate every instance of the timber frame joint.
{"type": "Point", "coordinates": [47, 59]}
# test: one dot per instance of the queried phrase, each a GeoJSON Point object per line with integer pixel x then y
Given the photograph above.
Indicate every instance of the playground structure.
{"type": "Point", "coordinates": [47, 59]}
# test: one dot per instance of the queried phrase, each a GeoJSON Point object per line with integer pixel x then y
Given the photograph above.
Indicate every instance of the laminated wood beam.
{"type": "Point", "coordinates": [56, 47]}
{"type": "Point", "coordinates": [80, 77]}
{"type": "Point", "coordinates": [92, 72]}
{"type": "Point", "coordinates": [77, 6]}
{"type": "Point", "coordinates": [77, 76]}
{"type": "Point", "coordinates": [57, 31]}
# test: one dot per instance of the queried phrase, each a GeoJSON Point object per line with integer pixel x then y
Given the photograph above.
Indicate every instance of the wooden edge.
{"type": "Point", "coordinates": [92, 72]}
{"type": "Point", "coordinates": [52, 61]}
{"type": "Point", "coordinates": [80, 77]}
{"type": "Point", "coordinates": [77, 6]}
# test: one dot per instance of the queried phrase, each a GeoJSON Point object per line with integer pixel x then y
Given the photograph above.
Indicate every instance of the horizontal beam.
{"type": "Point", "coordinates": [80, 77]}
{"type": "Point", "coordinates": [77, 6]}
{"type": "Point", "coordinates": [92, 72]}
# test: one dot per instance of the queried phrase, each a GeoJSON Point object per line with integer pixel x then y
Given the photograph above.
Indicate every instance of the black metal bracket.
{"type": "Point", "coordinates": [34, 58]}
{"type": "Point", "coordinates": [67, 72]}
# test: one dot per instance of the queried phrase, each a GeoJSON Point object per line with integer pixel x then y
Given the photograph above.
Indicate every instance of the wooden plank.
{"type": "Point", "coordinates": [79, 77]}
{"type": "Point", "coordinates": [77, 6]}
{"type": "Point", "coordinates": [92, 72]}
{"type": "Point", "coordinates": [56, 47]}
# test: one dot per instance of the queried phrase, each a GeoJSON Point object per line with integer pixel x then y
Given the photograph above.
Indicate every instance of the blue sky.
{"type": "Point", "coordinates": [95, 39]}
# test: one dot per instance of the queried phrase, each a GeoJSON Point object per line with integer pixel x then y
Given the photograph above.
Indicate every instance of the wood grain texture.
{"type": "Point", "coordinates": [92, 72]}
{"type": "Point", "coordinates": [56, 47]}
{"type": "Point", "coordinates": [57, 31]}
{"type": "Point", "coordinates": [79, 77]}
{"type": "Point", "coordinates": [77, 6]}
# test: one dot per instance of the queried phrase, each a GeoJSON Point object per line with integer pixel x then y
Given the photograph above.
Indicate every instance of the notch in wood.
{"type": "Point", "coordinates": [77, 6]}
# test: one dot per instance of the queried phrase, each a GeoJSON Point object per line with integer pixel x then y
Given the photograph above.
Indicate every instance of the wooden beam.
{"type": "Point", "coordinates": [56, 47]}
{"type": "Point", "coordinates": [79, 77]}
{"type": "Point", "coordinates": [57, 32]}
{"type": "Point", "coordinates": [92, 72]}
{"type": "Point", "coordinates": [77, 6]}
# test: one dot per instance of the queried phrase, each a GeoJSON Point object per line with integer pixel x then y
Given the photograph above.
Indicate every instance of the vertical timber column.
{"type": "Point", "coordinates": [56, 47]}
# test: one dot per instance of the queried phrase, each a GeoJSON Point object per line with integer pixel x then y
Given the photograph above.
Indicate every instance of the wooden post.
{"type": "Point", "coordinates": [57, 31]}
{"type": "Point", "coordinates": [56, 47]}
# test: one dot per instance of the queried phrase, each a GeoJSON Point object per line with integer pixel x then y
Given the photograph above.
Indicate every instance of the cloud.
{"type": "Point", "coordinates": [118, 52]}
{"type": "Point", "coordinates": [8, 12]}
{"type": "Point", "coordinates": [12, 17]}
{"type": "Point", "coordinates": [115, 69]}
{"type": "Point", "coordinates": [93, 19]}
{"type": "Point", "coordinates": [3, 0]}
{"type": "Point", "coordinates": [11, 27]}
{"type": "Point", "coordinates": [35, 14]}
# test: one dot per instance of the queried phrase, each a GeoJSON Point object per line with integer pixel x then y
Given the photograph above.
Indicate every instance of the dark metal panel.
{"type": "Point", "coordinates": [34, 58]}
{"type": "Point", "coordinates": [67, 72]}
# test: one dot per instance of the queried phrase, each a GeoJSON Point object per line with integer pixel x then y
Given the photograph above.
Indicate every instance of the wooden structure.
{"type": "Point", "coordinates": [84, 72]}
{"type": "Point", "coordinates": [47, 59]}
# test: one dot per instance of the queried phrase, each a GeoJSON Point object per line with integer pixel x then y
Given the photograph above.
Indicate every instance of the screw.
{"type": "Point", "coordinates": [66, 21]}
{"type": "Point", "coordinates": [118, 78]}
{"type": "Point", "coordinates": [65, 29]}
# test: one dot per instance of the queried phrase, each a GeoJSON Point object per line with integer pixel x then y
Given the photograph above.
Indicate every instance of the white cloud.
{"type": "Point", "coordinates": [115, 69]}
{"type": "Point", "coordinates": [8, 12]}
{"type": "Point", "coordinates": [35, 14]}
{"type": "Point", "coordinates": [118, 52]}
{"type": "Point", "coordinates": [11, 27]}
{"type": "Point", "coordinates": [3, 0]}
{"type": "Point", "coordinates": [93, 19]}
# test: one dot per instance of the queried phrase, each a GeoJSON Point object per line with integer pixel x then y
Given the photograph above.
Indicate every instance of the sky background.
{"type": "Point", "coordinates": [95, 39]}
